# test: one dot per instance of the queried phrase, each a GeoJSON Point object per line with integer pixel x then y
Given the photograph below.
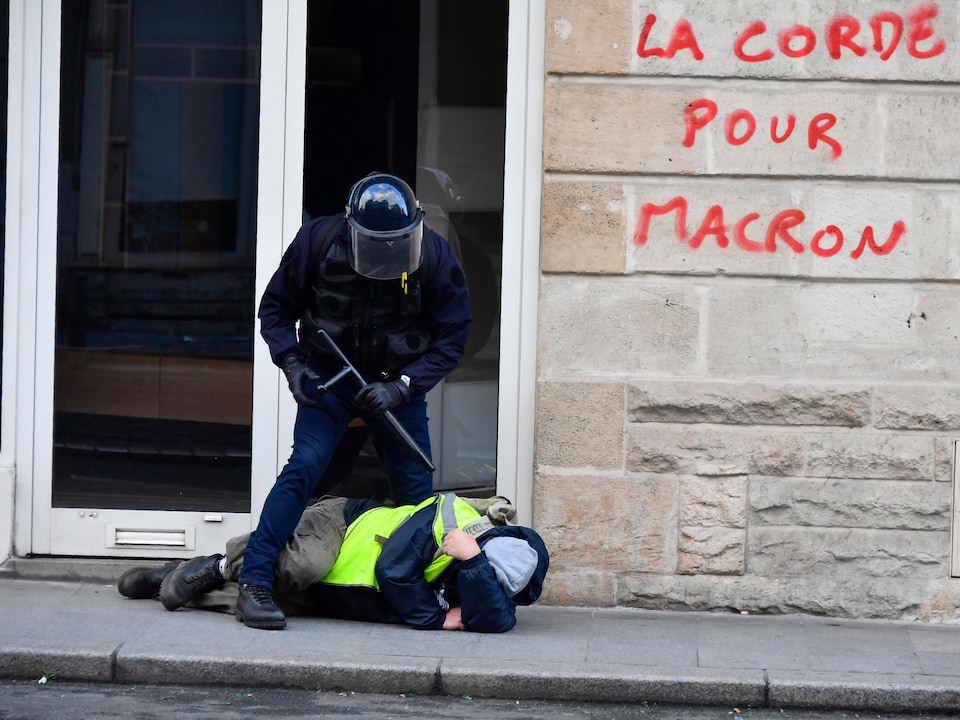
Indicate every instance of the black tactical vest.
{"type": "Point", "coordinates": [376, 323]}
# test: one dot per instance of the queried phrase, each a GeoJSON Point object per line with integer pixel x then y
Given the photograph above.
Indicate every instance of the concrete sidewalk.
{"type": "Point", "coordinates": [83, 630]}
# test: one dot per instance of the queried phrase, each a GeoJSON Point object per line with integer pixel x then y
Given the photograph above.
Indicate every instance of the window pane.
{"type": "Point", "coordinates": [156, 254]}
{"type": "Point", "coordinates": [460, 160]}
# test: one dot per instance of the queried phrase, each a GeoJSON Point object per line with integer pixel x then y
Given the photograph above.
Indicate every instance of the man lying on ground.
{"type": "Point", "coordinates": [439, 565]}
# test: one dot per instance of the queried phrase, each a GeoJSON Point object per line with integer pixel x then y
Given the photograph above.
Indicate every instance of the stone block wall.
{"type": "Point", "coordinates": [749, 326]}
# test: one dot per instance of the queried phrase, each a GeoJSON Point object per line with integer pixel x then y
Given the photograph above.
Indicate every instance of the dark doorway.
{"type": "Point", "coordinates": [361, 97]}
{"type": "Point", "coordinates": [156, 254]}
{"type": "Point", "coordinates": [418, 89]}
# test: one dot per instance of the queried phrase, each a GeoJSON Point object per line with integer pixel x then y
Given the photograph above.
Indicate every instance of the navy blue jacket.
{"type": "Point", "coordinates": [405, 596]}
{"type": "Point", "coordinates": [444, 307]}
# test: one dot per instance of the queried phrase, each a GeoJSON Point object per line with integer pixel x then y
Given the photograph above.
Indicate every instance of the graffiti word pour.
{"type": "Point", "coordinates": [741, 125]}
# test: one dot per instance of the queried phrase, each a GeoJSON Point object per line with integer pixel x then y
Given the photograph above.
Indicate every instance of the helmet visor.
{"type": "Point", "coordinates": [386, 255]}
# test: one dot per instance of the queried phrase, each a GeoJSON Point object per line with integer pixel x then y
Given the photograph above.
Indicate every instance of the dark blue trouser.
{"type": "Point", "coordinates": [315, 436]}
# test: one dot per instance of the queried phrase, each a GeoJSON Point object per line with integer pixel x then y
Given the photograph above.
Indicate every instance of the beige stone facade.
{"type": "Point", "coordinates": [749, 326]}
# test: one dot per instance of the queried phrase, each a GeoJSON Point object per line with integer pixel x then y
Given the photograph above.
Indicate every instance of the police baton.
{"type": "Point", "coordinates": [349, 369]}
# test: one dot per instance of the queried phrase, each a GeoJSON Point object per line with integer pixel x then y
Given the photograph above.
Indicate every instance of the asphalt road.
{"type": "Point", "coordinates": [53, 700]}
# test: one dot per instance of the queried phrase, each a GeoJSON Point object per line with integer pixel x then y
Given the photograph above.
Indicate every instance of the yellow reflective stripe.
{"type": "Point", "coordinates": [453, 513]}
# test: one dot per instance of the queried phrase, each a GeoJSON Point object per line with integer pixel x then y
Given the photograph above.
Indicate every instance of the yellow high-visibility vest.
{"type": "Point", "coordinates": [366, 535]}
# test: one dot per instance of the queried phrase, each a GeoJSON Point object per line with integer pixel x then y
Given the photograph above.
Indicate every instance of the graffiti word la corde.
{"type": "Point", "coordinates": [781, 230]}
{"type": "Point", "coordinates": [844, 35]}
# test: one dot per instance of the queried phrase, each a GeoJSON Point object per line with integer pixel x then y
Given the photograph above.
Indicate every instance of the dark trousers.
{"type": "Point", "coordinates": [315, 436]}
{"type": "Point", "coordinates": [306, 557]}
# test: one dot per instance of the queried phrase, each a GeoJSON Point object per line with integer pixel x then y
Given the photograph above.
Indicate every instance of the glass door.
{"type": "Point", "coordinates": [461, 123]}
{"type": "Point", "coordinates": [187, 155]}
{"type": "Point", "coordinates": [418, 89]}
{"type": "Point", "coordinates": [155, 275]}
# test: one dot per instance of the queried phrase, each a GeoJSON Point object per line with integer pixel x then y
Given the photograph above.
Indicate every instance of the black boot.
{"type": "Point", "coordinates": [143, 583]}
{"type": "Point", "coordinates": [256, 609]}
{"type": "Point", "coordinates": [192, 578]}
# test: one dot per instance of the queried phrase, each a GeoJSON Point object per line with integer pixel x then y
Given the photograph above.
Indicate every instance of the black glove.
{"type": "Point", "coordinates": [298, 372]}
{"type": "Point", "coordinates": [379, 397]}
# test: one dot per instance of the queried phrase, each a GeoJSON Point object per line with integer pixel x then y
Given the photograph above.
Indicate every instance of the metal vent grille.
{"type": "Point", "coordinates": [180, 538]}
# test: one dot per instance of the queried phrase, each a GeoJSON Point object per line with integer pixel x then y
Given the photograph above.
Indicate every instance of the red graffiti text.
{"type": "Point", "coordinates": [843, 36]}
{"type": "Point", "coordinates": [781, 230]}
{"type": "Point", "coordinates": [684, 38]}
{"type": "Point", "coordinates": [741, 125]}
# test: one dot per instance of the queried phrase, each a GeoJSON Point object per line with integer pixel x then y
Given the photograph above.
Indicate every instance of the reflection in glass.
{"type": "Point", "coordinates": [156, 254]}
{"type": "Point", "coordinates": [460, 162]}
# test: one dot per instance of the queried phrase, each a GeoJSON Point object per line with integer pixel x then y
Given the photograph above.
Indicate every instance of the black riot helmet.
{"type": "Point", "coordinates": [386, 227]}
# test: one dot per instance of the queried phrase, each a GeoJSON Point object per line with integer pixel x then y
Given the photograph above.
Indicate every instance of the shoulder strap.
{"type": "Point", "coordinates": [323, 235]}
{"type": "Point", "coordinates": [494, 511]}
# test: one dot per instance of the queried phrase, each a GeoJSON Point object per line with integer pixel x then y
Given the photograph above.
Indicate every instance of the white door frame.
{"type": "Point", "coordinates": [520, 283]}
{"type": "Point", "coordinates": [30, 264]}
{"type": "Point", "coordinates": [32, 143]}
{"type": "Point", "coordinates": [21, 218]}
{"type": "Point", "coordinates": [31, 269]}
{"type": "Point", "coordinates": [15, 184]}
{"type": "Point", "coordinates": [523, 176]}
{"type": "Point", "coordinates": [283, 77]}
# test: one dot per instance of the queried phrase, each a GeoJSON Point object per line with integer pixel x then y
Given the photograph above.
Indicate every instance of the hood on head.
{"type": "Point", "coordinates": [530, 593]}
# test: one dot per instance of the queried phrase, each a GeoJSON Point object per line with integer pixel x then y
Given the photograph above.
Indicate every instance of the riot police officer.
{"type": "Point", "coordinates": [392, 295]}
